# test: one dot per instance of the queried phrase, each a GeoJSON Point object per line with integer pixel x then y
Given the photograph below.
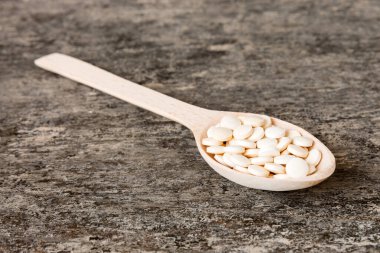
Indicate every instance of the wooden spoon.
{"type": "Point", "coordinates": [197, 119]}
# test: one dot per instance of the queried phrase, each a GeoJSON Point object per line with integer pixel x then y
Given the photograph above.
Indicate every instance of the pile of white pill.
{"type": "Point", "coordinates": [252, 145]}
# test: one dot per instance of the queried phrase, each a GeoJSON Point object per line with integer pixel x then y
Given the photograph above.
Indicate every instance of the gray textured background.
{"type": "Point", "coordinates": [81, 171]}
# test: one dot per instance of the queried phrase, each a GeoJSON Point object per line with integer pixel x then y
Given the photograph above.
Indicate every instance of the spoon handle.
{"type": "Point", "coordinates": [188, 115]}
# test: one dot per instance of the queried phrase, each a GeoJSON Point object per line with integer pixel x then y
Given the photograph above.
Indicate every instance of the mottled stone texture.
{"type": "Point", "coordinates": [81, 171]}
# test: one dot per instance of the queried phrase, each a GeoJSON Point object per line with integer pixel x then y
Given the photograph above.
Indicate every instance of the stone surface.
{"type": "Point", "coordinates": [81, 171]}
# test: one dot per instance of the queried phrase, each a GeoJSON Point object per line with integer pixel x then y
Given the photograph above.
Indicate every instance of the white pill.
{"type": "Point", "coordinates": [275, 168]}
{"type": "Point", "coordinates": [242, 132]}
{"type": "Point", "coordinates": [215, 150]}
{"type": "Point", "coordinates": [280, 176]}
{"type": "Point", "coordinates": [253, 152]}
{"type": "Point", "coordinates": [220, 160]}
{"type": "Point", "coordinates": [293, 133]}
{"type": "Point", "coordinates": [230, 122]}
{"type": "Point", "coordinates": [211, 142]}
{"type": "Point", "coordinates": [297, 168]}
{"type": "Point", "coordinates": [282, 159]}
{"type": "Point", "coordinates": [254, 121]}
{"type": "Point", "coordinates": [266, 142]}
{"type": "Point", "coordinates": [312, 169]}
{"type": "Point", "coordinates": [267, 121]}
{"type": "Point", "coordinates": [269, 151]}
{"type": "Point", "coordinates": [297, 150]}
{"type": "Point", "coordinates": [314, 157]}
{"type": "Point", "coordinates": [241, 169]}
{"type": "Point", "coordinates": [209, 131]}
{"type": "Point", "coordinates": [234, 149]}
{"type": "Point", "coordinates": [274, 132]}
{"type": "Point", "coordinates": [302, 141]}
{"type": "Point", "coordinates": [257, 170]}
{"type": "Point", "coordinates": [285, 152]}
{"type": "Point", "coordinates": [240, 160]}
{"type": "Point", "coordinates": [243, 143]}
{"type": "Point", "coordinates": [258, 133]}
{"type": "Point", "coordinates": [227, 160]}
{"type": "Point", "coordinates": [283, 143]}
{"type": "Point", "coordinates": [220, 133]}
{"type": "Point", "coordinates": [261, 160]}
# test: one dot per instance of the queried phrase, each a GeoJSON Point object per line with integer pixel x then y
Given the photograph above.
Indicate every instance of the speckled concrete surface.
{"type": "Point", "coordinates": [81, 171]}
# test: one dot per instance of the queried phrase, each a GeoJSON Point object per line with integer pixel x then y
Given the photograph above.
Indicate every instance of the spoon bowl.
{"type": "Point", "coordinates": [325, 167]}
{"type": "Point", "coordinates": [197, 119]}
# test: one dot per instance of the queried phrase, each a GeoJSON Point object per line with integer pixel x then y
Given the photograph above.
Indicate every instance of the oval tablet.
{"type": "Point", "coordinates": [275, 168]}
{"type": "Point", "coordinates": [241, 169]}
{"type": "Point", "coordinates": [293, 133]}
{"type": "Point", "coordinates": [254, 121]}
{"type": "Point", "coordinates": [211, 142]}
{"type": "Point", "coordinates": [215, 150]}
{"type": "Point", "coordinates": [209, 131]}
{"type": "Point", "coordinates": [267, 121]}
{"type": "Point", "coordinates": [314, 157]}
{"type": "Point", "coordinates": [312, 170]}
{"type": "Point", "coordinates": [227, 160]}
{"type": "Point", "coordinates": [253, 152]}
{"type": "Point", "coordinates": [234, 149]}
{"type": "Point", "coordinates": [297, 168]}
{"type": "Point", "coordinates": [240, 160]}
{"type": "Point", "coordinates": [258, 171]}
{"type": "Point", "coordinates": [230, 122]}
{"type": "Point", "coordinates": [266, 143]}
{"type": "Point", "coordinates": [220, 133]}
{"type": "Point", "coordinates": [258, 133]}
{"type": "Point", "coordinates": [243, 143]}
{"type": "Point", "coordinates": [261, 160]}
{"type": "Point", "coordinates": [220, 160]}
{"type": "Point", "coordinates": [274, 132]}
{"type": "Point", "coordinates": [283, 143]}
{"type": "Point", "coordinates": [285, 152]}
{"type": "Point", "coordinates": [242, 132]}
{"type": "Point", "coordinates": [297, 151]}
{"type": "Point", "coordinates": [282, 159]}
{"type": "Point", "coordinates": [302, 141]}
{"type": "Point", "coordinates": [269, 151]}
